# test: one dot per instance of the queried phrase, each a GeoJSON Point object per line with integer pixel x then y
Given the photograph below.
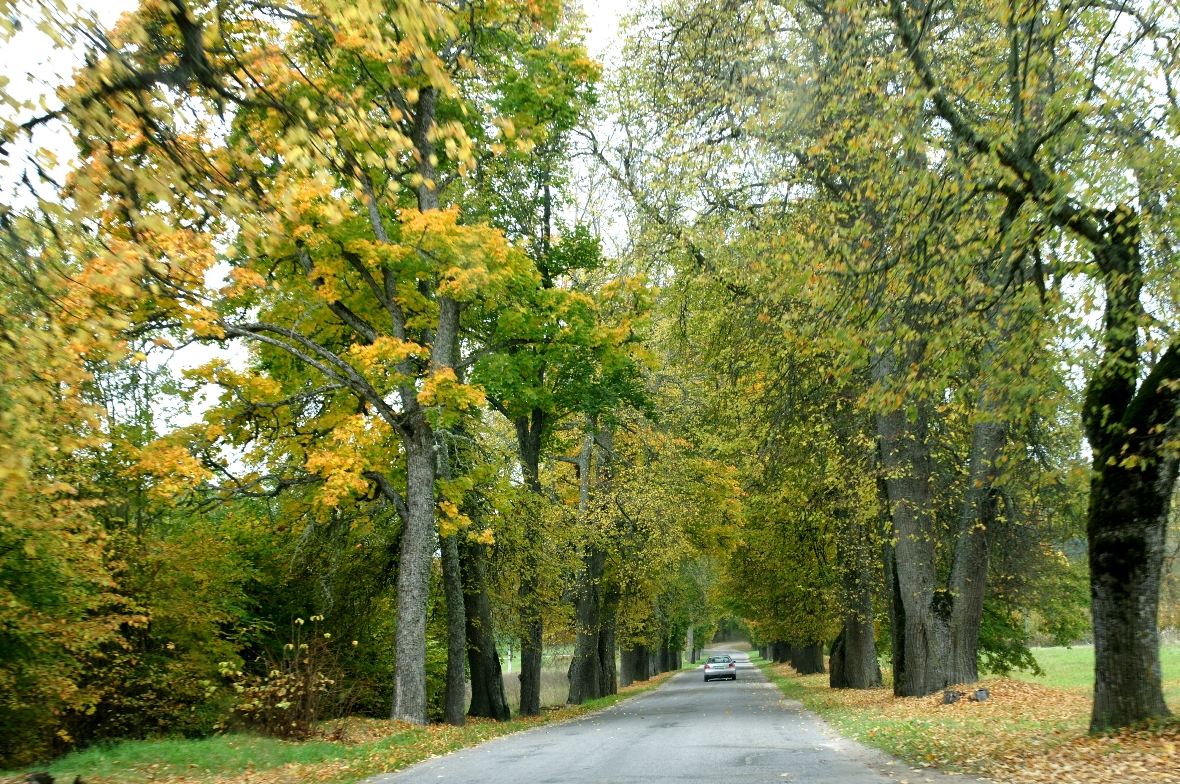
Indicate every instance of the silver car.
{"type": "Point", "coordinates": [720, 667]}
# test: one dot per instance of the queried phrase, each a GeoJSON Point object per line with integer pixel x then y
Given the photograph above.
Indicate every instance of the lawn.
{"type": "Point", "coordinates": [369, 746]}
{"type": "Point", "coordinates": [1030, 731]}
{"type": "Point", "coordinates": [1073, 668]}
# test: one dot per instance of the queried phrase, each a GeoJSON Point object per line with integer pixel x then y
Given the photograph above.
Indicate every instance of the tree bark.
{"type": "Point", "coordinates": [585, 668]}
{"type": "Point", "coordinates": [529, 430]}
{"type": "Point", "coordinates": [455, 696]}
{"type": "Point", "coordinates": [640, 666]}
{"type": "Point", "coordinates": [413, 578]}
{"type": "Point", "coordinates": [662, 659]}
{"type": "Point", "coordinates": [413, 581]}
{"type": "Point", "coordinates": [905, 453]}
{"type": "Point", "coordinates": [627, 667]}
{"type": "Point", "coordinates": [853, 662]}
{"type": "Point", "coordinates": [608, 678]}
{"type": "Point", "coordinates": [968, 581]}
{"type": "Point", "coordinates": [455, 704]}
{"type": "Point", "coordinates": [487, 682]}
{"type": "Point", "coordinates": [809, 659]}
{"type": "Point", "coordinates": [896, 613]}
{"type": "Point", "coordinates": [1130, 492]}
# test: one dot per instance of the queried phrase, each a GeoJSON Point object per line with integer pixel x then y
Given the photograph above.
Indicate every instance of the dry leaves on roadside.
{"type": "Point", "coordinates": [1025, 733]}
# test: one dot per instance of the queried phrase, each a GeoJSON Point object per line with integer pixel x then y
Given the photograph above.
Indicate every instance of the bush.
{"type": "Point", "coordinates": [299, 690]}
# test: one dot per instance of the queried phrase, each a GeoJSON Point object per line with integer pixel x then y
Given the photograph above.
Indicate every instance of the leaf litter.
{"type": "Point", "coordinates": [1024, 733]}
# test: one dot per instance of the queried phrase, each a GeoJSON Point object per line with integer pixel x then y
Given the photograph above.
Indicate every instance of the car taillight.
{"type": "Point", "coordinates": [731, 666]}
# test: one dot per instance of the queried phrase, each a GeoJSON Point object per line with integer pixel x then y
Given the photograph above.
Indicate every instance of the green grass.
{"type": "Point", "coordinates": [218, 755]}
{"type": "Point", "coordinates": [1073, 668]}
{"type": "Point", "coordinates": [233, 754]}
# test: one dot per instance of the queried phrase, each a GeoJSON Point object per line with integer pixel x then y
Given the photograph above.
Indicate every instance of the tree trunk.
{"type": "Point", "coordinates": [809, 660]}
{"type": "Point", "coordinates": [892, 592]}
{"type": "Point", "coordinates": [585, 668]}
{"type": "Point", "coordinates": [641, 666]}
{"type": "Point", "coordinates": [530, 660]}
{"type": "Point", "coordinates": [528, 435]}
{"type": "Point", "coordinates": [487, 682]}
{"type": "Point", "coordinates": [455, 697]}
{"type": "Point", "coordinates": [855, 665]}
{"type": "Point", "coordinates": [606, 641]}
{"type": "Point", "coordinates": [838, 674]}
{"type": "Point", "coordinates": [455, 706]}
{"type": "Point", "coordinates": [1130, 492]}
{"type": "Point", "coordinates": [905, 453]}
{"type": "Point", "coordinates": [627, 667]}
{"type": "Point", "coordinates": [662, 659]}
{"type": "Point", "coordinates": [413, 578]}
{"type": "Point", "coordinates": [968, 581]}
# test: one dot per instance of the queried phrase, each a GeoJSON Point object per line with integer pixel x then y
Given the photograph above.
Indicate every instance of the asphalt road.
{"type": "Point", "coordinates": [685, 731]}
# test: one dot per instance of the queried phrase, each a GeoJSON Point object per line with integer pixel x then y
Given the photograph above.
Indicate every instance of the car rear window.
{"type": "Point", "coordinates": [718, 659]}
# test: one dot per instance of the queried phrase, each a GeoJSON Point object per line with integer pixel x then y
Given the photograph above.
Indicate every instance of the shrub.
{"type": "Point", "coordinates": [300, 689]}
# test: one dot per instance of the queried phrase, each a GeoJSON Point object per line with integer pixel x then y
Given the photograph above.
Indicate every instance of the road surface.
{"type": "Point", "coordinates": [685, 731]}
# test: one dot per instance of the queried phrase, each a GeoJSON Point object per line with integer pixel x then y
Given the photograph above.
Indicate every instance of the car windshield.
{"type": "Point", "coordinates": [719, 660]}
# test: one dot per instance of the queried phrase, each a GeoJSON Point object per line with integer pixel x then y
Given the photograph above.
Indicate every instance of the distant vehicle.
{"type": "Point", "coordinates": [720, 667]}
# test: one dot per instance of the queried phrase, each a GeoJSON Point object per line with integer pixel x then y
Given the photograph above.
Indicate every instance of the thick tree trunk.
{"type": "Point", "coordinates": [529, 431]}
{"type": "Point", "coordinates": [413, 579]}
{"type": "Point", "coordinates": [585, 668]}
{"type": "Point", "coordinates": [530, 661]}
{"type": "Point", "coordinates": [455, 705]}
{"type": "Point", "coordinates": [487, 682]}
{"type": "Point", "coordinates": [627, 667]}
{"type": "Point", "coordinates": [892, 590]}
{"type": "Point", "coordinates": [838, 675]}
{"type": "Point", "coordinates": [968, 581]}
{"type": "Point", "coordinates": [662, 659]}
{"type": "Point", "coordinates": [853, 660]}
{"type": "Point", "coordinates": [1130, 492]}
{"type": "Point", "coordinates": [905, 453]}
{"type": "Point", "coordinates": [896, 616]}
{"type": "Point", "coordinates": [809, 659]}
{"type": "Point", "coordinates": [455, 696]}
{"type": "Point", "coordinates": [608, 678]}
{"type": "Point", "coordinates": [418, 536]}
{"type": "Point", "coordinates": [853, 663]}
{"type": "Point", "coordinates": [640, 662]}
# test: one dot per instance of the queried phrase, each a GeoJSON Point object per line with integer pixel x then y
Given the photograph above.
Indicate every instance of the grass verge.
{"type": "Point", "coordinates": [369, 747]}
{"type": "Point", "coordinates": [1026, 733]}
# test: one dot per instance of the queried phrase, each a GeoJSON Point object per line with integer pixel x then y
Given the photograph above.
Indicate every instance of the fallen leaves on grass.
{"type": "Point", "coordinates": [1025, 733]}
